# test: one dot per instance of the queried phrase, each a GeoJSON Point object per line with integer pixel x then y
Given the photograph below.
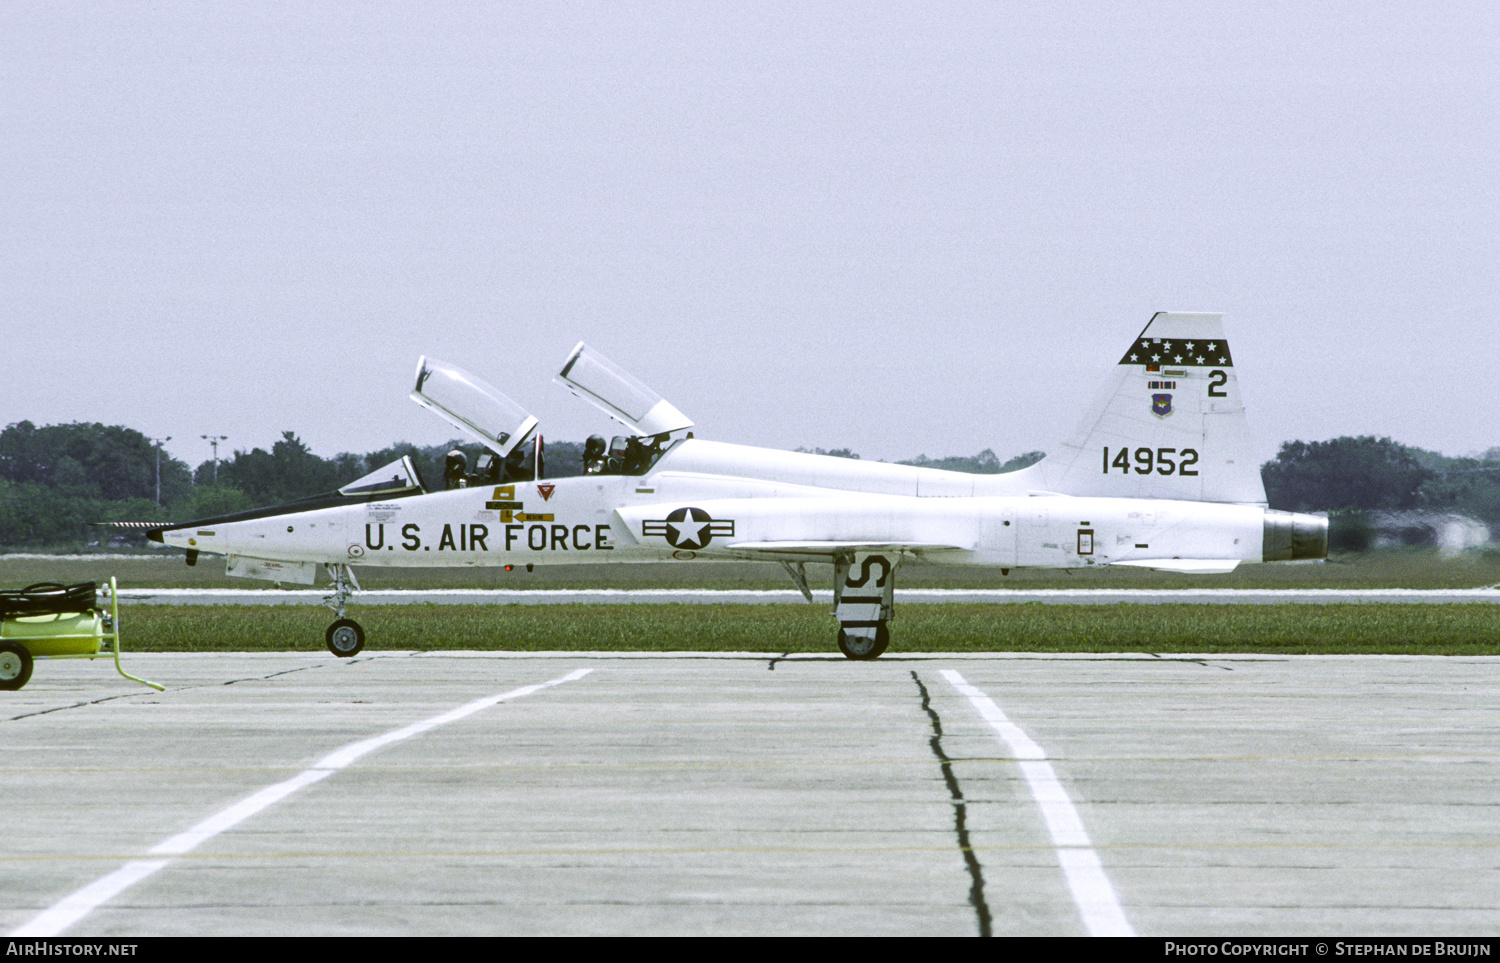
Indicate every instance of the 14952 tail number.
{"type": "Point", "coordinates": [1163, 461]}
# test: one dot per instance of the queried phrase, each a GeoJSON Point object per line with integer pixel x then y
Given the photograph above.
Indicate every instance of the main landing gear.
{"type": "Point", "coordinates": [345, 637]}
{"type": "Point", "coordinates": [864, 602]}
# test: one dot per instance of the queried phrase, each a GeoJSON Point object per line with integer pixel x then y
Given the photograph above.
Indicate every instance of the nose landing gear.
{"type": "Point", "coordinates": [345, 637]}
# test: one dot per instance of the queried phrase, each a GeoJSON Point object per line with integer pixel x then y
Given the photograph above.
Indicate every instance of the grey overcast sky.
{"type": "Point", "coordinates": [904, 228]}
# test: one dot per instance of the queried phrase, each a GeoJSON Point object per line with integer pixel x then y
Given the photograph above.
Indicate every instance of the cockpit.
{"type": "Point", "coordinates": [626, 399]}
{"type": "Point", "coordinates": [514, 448]}
{"type": "Point", "coordinates": [624, 454]}
{"type": "Point", "coordinates": [522, 464]}
{"type": "Point", "coordinates": [484, 413]}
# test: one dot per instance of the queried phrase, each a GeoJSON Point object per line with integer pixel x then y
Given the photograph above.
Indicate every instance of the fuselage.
{"type": "Point", "coordinates": [707, 501]}
{"type": "Point", "coordinates": [1160, 473]}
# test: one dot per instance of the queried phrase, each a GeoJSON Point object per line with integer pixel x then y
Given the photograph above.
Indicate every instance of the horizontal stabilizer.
{"type": "Point", "coordinates": [1186, 566]}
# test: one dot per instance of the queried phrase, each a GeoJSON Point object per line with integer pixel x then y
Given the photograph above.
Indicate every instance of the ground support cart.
{"type": "Point", "coordinates": [51, 621]}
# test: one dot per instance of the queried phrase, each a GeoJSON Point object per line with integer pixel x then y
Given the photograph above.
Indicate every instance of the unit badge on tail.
{"type": "Point", "coordinates": [1161, 405]}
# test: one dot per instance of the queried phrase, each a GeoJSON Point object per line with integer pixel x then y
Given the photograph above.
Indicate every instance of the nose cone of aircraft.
{"type": "Point", "coordinates": [1289, 536]}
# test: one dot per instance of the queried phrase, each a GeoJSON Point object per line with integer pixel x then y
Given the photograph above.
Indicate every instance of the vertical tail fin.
{"type": "Point", "coordinates": [1169, 423]}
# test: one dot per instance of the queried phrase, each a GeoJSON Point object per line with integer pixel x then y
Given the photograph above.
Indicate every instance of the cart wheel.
{"type": "Point", "coordinates": [15, 665]}
{"type": "Point", "coordinates": [345, 638]}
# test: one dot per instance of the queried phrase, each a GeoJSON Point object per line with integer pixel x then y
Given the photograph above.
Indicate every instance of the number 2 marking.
{"type": "Point", "coordinates": [1216, 380]}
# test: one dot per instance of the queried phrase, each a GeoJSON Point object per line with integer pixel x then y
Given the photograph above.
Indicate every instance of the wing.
{"type": "Point", "coordinates": [808, 529]}
{"type": "Point", "coordinates": [826, 550]}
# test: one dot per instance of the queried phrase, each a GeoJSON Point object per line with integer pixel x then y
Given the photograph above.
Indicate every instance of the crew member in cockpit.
{"type": "Point", "coordinates": [515, 465]}
{"type": "Point", "coordinates": [455, 470]}
{"type": "Point", "coordinates": [594, 455]}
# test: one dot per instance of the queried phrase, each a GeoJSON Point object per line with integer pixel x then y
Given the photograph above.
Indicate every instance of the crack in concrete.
{"type": "Point", "coordinates": [960, 814]}
{"type": "Point", "coordinates": [262, 678]}
{"type": "Point", "coordinates": [136, 695]}
{"type": "Point", "coordinates": [76, 705]}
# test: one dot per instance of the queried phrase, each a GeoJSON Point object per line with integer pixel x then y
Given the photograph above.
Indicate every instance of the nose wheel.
{"type": "Point", "coordinates": [345, 638]}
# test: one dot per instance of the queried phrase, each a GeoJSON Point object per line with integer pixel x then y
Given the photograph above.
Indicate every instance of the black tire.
{"type": "Point", "coordinates": [864, 649]}
{"type": "Point", "coordinates": [345, 638]}
{"type": "Point", "coordinates": [15, 665]}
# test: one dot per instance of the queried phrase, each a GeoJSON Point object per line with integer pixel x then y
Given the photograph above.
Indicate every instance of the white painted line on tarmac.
{"type": "Point", "coordinates": [94, 557]}
{"type": "Point", "coordinates": [1091, 888]}
{"type": "Point", "coordinates": [75, 906]}
{"type": "Point", "coordinates": [1091, 596]}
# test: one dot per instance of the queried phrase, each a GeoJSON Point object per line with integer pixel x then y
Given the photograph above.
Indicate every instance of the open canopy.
{"type": "Point", "coordinates": [617, 393]}
{"type": "Point", "coordinates": [471, 405]}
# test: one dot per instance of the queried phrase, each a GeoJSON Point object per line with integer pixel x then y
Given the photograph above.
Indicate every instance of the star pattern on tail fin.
{"type": "Point", "coordinates": [1179, 353]}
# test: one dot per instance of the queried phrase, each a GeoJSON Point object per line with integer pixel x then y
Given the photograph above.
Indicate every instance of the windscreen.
{"type": "Point", "coordinates": [400, 475]}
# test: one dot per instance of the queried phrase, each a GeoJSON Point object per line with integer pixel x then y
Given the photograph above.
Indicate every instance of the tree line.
{"type": "Point", "coordinates": [56, 479]}
{"type": "Point", "coordinates": [1352, 478]}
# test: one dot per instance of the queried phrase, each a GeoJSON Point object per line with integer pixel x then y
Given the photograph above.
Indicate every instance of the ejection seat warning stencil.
{"type": "Point", "coordinates": [512, 510]}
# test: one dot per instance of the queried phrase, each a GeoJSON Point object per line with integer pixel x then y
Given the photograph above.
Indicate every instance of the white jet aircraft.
{"type": "Point", "coordinates": [1159, 475]}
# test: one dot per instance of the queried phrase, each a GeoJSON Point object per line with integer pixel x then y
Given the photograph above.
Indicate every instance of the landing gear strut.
{"type": "Point", "coordinates": [345, 637]}
{"type": "Point", "coordinates": [864, 602]}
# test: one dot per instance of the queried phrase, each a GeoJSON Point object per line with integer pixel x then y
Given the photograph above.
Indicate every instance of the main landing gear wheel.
{"type": "Point", "coordinates": [862, 647]}
{"type": "Point", "coordinates": [345, 638]}
{"type": "Point", "coordinates": [15, 665]}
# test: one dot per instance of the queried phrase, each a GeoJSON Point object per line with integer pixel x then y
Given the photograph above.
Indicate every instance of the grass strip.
{"type": "Point", "coordinates": [1456, 629]}
{"type": "Point", "coordinates": [1397, 568]}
